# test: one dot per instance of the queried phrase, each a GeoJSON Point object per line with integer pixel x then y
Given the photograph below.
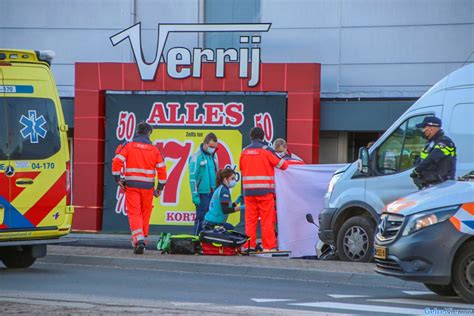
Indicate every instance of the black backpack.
{"type": "Point", "coordinates": [226, 238]}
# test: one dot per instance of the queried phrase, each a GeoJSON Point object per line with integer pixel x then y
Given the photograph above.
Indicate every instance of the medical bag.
{"type": "Point", "coordinates": [214, 249]}
{"type": "Point", "coordinates": [184, 245]}
{"type": "Point", "coordinates": [219, 241]}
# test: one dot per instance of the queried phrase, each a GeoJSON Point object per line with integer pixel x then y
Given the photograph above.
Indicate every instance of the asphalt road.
{"type": "Point", "coordinates": [56, 288]}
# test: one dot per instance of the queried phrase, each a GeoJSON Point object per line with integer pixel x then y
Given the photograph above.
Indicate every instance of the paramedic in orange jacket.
{"type": "Point", "coordinates": [140, 162]}
{"type": "Point", "coordinates": [281, 148]}
{"type": "Point", "coordinates": [257, 163]}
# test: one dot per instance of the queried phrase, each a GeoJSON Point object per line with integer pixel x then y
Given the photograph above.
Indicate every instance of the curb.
{"type": "Point", "coordinates": [326, 277]}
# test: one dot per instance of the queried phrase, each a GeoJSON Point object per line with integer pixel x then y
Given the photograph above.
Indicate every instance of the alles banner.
{"type": "Point", "coordinates": [180, 124]}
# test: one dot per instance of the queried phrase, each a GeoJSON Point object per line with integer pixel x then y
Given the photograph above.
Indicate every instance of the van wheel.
{"type": "Point", "coordinates": [19, 258]}
{"type": "Point", "coordinates": [443, 290]}
{"type": "Point", "coordinates": [355, 240]}
{"type": "Point", "coordinates": [463, 272]}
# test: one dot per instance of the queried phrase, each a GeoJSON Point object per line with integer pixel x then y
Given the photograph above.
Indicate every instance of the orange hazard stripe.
{"type": "Point", "coordinates": [48, 201]}
{"type": "Point", "coordinates": [456, 222]}
{"type": "Point", "coordinates": [469, 207]}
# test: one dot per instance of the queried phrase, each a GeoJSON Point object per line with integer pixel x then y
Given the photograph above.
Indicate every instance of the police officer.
{"type": "Point", "coordinates": [437, 161]}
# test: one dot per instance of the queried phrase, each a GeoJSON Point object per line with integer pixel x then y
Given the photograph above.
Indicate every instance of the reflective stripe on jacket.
{"type": "Point", "coordinates": [257, 163]}
{"type": "Point", "coordinates": [437, 161]}
{"type": "Point", "coordinates": [140, 163]}
{"type": "Point", "coordinates": [293, 159]}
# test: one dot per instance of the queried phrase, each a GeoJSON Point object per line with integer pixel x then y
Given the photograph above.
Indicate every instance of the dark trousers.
{"type": "Point", "coordinates": [201, 211]}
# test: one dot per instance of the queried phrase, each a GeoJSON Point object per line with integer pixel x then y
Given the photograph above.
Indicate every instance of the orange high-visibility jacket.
{"type": "Point", "coordinates": [141, 162]}
{"type": "Point", "coordinates": [257, 163]}
{"type": "Point", "coordinates": [293, 159]}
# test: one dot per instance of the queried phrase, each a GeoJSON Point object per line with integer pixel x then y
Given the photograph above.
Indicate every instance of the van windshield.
{"type": "Point", "coordinates": [31, 131]}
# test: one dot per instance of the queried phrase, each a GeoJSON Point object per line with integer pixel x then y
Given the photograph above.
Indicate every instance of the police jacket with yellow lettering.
{"type": "Point", "coordinates": [437, 161]}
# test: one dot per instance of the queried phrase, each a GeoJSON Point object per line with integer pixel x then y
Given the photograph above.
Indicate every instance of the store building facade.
{"type": "Point", "coordinates": [376, 57]}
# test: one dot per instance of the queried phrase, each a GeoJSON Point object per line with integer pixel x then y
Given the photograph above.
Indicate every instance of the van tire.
{"type": "Point", "coordinates": [19, 258]}
{"type": "Point", "coordinates": [463, 272]}
{"type": "Point", "coordinates": [355, 240]}
{"type": "Point", "coordinates": [443, 290]}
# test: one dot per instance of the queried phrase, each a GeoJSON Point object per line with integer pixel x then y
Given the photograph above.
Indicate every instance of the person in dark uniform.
{"type": "Point", "coordinates": [437, 161]}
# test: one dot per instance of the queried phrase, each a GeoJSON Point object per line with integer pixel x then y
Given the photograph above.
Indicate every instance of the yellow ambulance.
{"type": "Point", "coordinates": [35, 177]}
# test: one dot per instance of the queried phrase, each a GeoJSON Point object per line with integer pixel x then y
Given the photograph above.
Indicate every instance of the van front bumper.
{"type": "Point", "coordinates": [326, 232]}
{"type": "Point", "coordinates": [424, 256]}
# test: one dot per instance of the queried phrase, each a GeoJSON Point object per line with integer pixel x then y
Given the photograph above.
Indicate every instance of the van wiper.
{"type": "Point", "coordinates": [467, 177]}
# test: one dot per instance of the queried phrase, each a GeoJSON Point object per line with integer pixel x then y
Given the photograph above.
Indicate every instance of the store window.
{"type": "Point", "coordinates": [401, 149]}
{"type": "Point", "coordinates": [229, 11]}
{"type": "Point", "coordinates": [357, 140]}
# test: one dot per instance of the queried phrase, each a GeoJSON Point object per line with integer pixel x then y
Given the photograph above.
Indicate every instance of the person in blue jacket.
{"type": "Point", "coordinates": [202, 177]}
{"type": "Point", "coordinates": [221, 202]}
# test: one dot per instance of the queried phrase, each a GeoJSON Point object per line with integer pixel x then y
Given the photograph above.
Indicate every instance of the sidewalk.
{"type": "Point", "coordinates": [86, 252]}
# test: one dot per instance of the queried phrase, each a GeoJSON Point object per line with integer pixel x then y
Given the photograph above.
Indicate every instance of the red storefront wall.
{"type": "Point", "coordinates": [300, 81]}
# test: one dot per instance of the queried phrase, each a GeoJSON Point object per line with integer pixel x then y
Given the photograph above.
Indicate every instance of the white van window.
{"type": "Point", "coordinates": [400, 150]}
{"type": "Point", "coordinates": [32, 128]}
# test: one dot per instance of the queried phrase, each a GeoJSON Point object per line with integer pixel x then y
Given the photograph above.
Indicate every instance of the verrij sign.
{"type": "Point", "coordinates": [181, 63]}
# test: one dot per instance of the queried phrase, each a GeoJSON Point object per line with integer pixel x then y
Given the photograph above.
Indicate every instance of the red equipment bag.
{"type": "Point", "coordinates": [214, 249]}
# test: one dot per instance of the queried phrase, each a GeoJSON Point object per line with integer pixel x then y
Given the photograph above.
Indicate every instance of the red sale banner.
{"type": "Point", "coordinates": [180, 123]}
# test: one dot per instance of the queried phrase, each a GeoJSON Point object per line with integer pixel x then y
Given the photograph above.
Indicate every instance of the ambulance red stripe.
{"type": "Point", "coordinates": [48, 201]}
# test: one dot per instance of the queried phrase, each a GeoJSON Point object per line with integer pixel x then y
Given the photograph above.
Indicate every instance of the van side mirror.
{"type": "Point", "coordinates": [309, 219]}
{"type": "Point", "coordinates": [363, 163]}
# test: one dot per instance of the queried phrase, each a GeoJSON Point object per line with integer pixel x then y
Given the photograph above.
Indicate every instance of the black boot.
{"type": "Point", "coordinates": [139, 248]}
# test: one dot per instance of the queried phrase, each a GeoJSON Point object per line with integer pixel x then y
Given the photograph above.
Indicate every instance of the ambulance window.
{"type": "Point", "coordinates": [33, 131]}
{"type": "Point", "coordinates": [400, 150]}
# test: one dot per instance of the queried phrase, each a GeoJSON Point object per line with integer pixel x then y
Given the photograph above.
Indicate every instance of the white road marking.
{"type": "Point", "coordinates": [270, 300]}
{"type": "Point", "coordinates": [362, 307]}
{"type": "Point", "coordinates": [425, 303]}
{"type": "Point", "coordinates": [346, 296]}
{"type": "Point", "coordinates": [418, 292]}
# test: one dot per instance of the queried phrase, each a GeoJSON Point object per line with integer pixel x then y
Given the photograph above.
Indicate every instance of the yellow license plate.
{"type": "Point", "coordinates": [380, 252]}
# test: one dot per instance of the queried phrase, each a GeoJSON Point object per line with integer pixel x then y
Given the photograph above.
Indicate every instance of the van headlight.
{"type": "Point", "coordinates": [425, 219]}
{"type": "Point", "coordinates": [333, 182]}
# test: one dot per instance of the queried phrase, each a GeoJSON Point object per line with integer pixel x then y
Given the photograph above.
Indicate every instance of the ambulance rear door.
{"type": "Point", "coordinates": [37, 154]}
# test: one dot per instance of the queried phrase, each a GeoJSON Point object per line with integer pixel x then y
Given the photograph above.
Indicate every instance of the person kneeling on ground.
{"type": "Point", "coordinates": [221, 202]}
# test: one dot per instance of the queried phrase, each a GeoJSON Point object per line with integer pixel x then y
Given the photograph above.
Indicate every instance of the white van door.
{"type": "Point", "coordinates": [392, 160]}
{"type": "Point", "coordinates": [458, 118]}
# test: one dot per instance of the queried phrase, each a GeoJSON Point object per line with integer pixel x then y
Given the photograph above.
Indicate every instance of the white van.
{"type": "Point", "coordinates": [357, 193]}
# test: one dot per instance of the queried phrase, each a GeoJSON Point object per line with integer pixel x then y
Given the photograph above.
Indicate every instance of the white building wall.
{"type": "Point", "coordinates": [367, 48]}
{"type": "Point", "coordinates": [372, 48]}
{"type": "Point", "coordinates": [79, 30]}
